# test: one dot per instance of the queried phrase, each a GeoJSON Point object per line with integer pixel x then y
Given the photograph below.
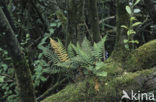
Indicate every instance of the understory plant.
{"type": "Point", "coordinates": [131, 10]}
{"type": "Point", "coordinates": [84, 56]}
{"type": "Point", "coordinates": [8, 92]}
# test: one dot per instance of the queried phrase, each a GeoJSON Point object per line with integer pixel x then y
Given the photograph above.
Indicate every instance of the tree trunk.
{"type": "Point", "coordinates": [121, 19]}
{"type": "Point", "coordinates": [94, 20]}
{"type": "Point", "coordinates": [75, 20]}
{"type": "Point", "coordinates": [29, 12]}
{"type": "Point", "coordinates": [22, 71]}
{"type": "Point", "coordinates": [150, 6]}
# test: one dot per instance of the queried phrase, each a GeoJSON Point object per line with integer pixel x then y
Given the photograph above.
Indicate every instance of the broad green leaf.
{"type": "Point", "coordinates": [128, 9]}
{"type": "Point", "coordinates": [123, 26]}
{"type": "Point", "coordinates": [43, 78]}
{"type": "Point", "coordinates": [27, 35]}
{"type": "Point", "coordinates": [136, 2]}
{"type": "Point", "coordinates": [1, 79]}
{"type": "Point", "coordinates": [125, 41]}
{"type": "Point", "coordinates": [132, 18]}
{"type": "Point", "coordinates": [1, 49]}
{"type": "Point", "coordinates": [136, 10]}
{"type": "Point", "coordinates": [127, 46]}
{"type": "Point", "coordinates": [53, 25]}
{"type": "Point", "coordinates": [129, 32]}
{"type": "Point", "coordinates": [101, 74]}
{"type": "Point", "coordinates": [136, 24]}
{"type": "Point", "coordinates": [134, 41]}
{"type": "Point", "coordinates": [51, 31]}
{"type": "Point", "coordinates": [59, 24]}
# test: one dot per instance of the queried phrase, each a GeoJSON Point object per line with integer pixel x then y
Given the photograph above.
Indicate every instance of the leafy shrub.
{"type": "Point", "coordinates": [132, 24]}
{"type": "Point", "coordinates": [8, 91]}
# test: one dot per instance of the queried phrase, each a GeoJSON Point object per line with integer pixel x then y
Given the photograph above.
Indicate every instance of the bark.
{"type": "Point", "coordinates": [54, 8]}
{"type": "Point", "coordinates": [75, 19]}
{"type": "Point", "coordinates": [31, 17]}
{"type": "Point", "coordinates": [8, 15]}
{"type": "Point", "coordinates": [150, 6]}
{"type": "Point", "coordinates": [121, 19]}
{"type": "Point", "coordinates": [94, 20]}
{"type": "Point", "coordinates": [22, 71]}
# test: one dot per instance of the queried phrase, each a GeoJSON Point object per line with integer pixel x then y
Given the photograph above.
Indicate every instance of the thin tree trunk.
{"type": "Point", "coordinates": [150, 6]}
{"type": "Point", "coordinates": [121, 19]}
{"type": "Point", "coordinates": [75, 19]}
{"type": "Point", "coordinates": [22, 71]}
{"type": "Point", "coordinates": [94, 19]}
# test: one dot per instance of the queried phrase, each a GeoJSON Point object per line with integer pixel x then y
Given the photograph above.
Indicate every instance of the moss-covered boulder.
{"type": "Point", "coordinates": [142, 58]}
{"type": "Point", "coordinates": [109, 90]}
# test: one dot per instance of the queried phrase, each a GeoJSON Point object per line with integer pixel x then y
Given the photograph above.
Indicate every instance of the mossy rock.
{"type": "Point", "coordinates": [109, 91]}
{"type": "Point", "coordinates": [142, 58]}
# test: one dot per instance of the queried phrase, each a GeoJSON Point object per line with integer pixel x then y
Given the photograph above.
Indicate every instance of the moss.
{"type": "Point", "coordinates": [72, 93]}
{"type": "Point", "coordinates": [142, 58]}
{"type": "Point", "coordinates": [113, 67]}
{"type": "Point", "coordinates": [110, 90]}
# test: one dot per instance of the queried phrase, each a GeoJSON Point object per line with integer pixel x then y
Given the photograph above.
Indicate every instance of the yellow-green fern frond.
{"type": "Point", "coordinates": [59, 50]}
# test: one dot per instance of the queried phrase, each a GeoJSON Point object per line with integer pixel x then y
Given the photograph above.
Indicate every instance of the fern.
{"type": "Point", "coordinates": [90, 57]}
{"type": "Point", "coordinates": [70, 51]}
{"type": "Point", "coordinates": [86, 46]}
{"type": "Point", "coordinates": [59, 50]}
{"type": "Point", "coordinates": [98, 49]}
{"type": "Point", "coordinates": [84, 56]}
{"type": "Point", "coordinates": [52, 57]}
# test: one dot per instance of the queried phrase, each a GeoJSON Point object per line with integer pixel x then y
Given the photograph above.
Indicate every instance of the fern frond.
{"type": "Point", "coordinates": [67, 64]}
{"type": "Point", "coordinates": [56, 69]}
{"type": "Point", "coordinates": [98, 49]}
{"type": "Point", "coordinates": [52, 57]}
{"type": "Point", "coordinates": [70, 51]}
{"type": "Point", "coordinates": [59, 50]}
{"type": "Point", "coordinates": [84, 56]}
{"type": "Point", "coordinates": [86, 46]}
{"type": "Point", "coordinates": [60, 43]}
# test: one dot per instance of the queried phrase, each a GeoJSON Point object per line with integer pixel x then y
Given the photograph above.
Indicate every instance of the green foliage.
{"type": "Point", "coordinates": [52, 26]}
{"type": "Point", "coordinates": [50, 55]}
{"type": "Point", "coordinates": [40, 70]}
{"type": "Point", "coordinates": [2, 79]}
{"type": "Point", "coordinates": [42, 66]}
{"type": "Point", "coordinates": [47, 59]}
{"type": "Point", "coordinates": [26, 40]}
{"type": "Point", "coordinates": [132, 24]}
{"type": "Point", "coordinates": [87, 57]}
{"type": "Point", "coordinates": [7, 83]}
